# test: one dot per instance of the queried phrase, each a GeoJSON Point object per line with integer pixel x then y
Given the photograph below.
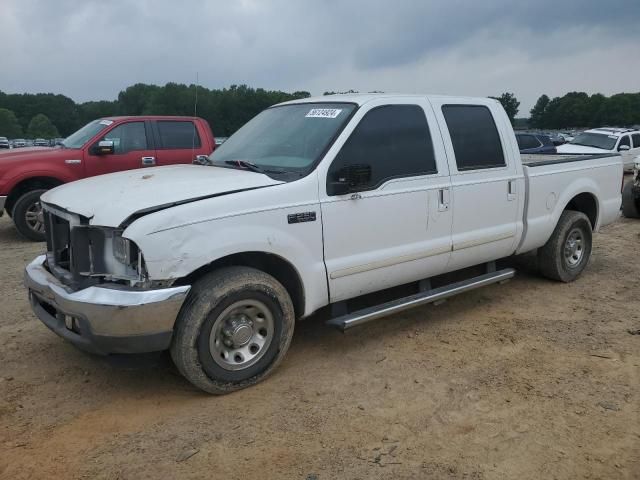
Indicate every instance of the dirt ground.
{"type": "Point", "coordinates": [528, 380]}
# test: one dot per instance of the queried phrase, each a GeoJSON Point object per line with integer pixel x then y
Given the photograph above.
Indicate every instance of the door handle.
{"type": "Point", "coordinates": [148, 161]}
{"type": "Point", "coordinates": [443, 199]}
{"type": "Point", "coordinates": [512, 190]}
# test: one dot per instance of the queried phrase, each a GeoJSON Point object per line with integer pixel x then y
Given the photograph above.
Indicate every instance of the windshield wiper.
{"type": "Point", "coordinates": [251, 166]}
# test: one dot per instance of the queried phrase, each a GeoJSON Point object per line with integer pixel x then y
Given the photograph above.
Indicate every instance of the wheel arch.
{"type": "Point", "coordinates": [29, 184]}
{"type": "Point", "coordinates": [587, 203]}
{"type": "Point", "coordinates": [270, 263]}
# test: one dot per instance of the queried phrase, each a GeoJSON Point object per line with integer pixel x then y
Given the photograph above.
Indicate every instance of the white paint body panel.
{"type": "Point", "coordinates": [551, 187]}
{"type": "Point", "coordinates": [389, 236]}
{"type": "Point", "coordinates": [109, 199]}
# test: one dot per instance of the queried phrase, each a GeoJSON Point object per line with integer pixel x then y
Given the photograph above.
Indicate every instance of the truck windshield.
{"type": "Point", "coordinates": [595, 140]}
{"type": "Point", "coordinates": [80, 137]}
{"type": "Point", "coordinates": [286, 139]}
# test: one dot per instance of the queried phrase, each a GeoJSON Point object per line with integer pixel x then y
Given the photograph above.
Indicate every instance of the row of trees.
{"type": "Point", "coordinates": [225, 109]}
{"type": "Point", "coordinates": [40, 126]}
{"type": "Point", "coordinates": [48, 115]}
{"type": "Point", "coordinates": [578, 109]}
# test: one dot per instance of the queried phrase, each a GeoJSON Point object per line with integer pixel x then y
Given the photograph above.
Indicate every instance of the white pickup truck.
{"type": "Point", "coordinates": [313, 203]}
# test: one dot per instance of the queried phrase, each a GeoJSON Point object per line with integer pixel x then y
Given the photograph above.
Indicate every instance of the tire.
{"type": "Point", "coordinates": [25, 216]}
{"type": "Point", "coordinates": [563, 258]}
{"type": "Point", "coordinates": [630, 204]}
{"type": "Point", "coordinates": [230, 305]}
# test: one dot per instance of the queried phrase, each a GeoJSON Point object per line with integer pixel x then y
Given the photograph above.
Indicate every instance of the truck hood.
{"type": "Point", "coordinates": [570, 148]}
{"type": "Point", "coordinates": [119, 198]}
{"type": "Point", "coordinates": [34, 153]}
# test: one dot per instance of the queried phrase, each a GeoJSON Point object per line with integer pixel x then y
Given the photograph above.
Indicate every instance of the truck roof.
{"type": "Point", "coordinates": [362, 98]}
{"type": "Point", "coordinates": [150, 117]}
{"type": "Point", "coordinates": [612, 131]}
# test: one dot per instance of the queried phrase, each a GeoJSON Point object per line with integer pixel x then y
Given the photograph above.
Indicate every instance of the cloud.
{"type": "Point", "coordinates": [90, 49]}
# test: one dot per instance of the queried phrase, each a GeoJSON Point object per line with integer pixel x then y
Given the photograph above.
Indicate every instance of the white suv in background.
{"type": "Point", "coordinates": [626, 141]}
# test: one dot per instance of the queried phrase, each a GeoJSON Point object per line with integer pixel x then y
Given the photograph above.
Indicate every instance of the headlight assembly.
{"type": "Point", "coordinates": [124, 250]}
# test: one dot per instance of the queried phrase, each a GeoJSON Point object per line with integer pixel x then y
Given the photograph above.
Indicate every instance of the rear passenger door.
{"type": "Point", "coordinates": [177, 141]}
{"type": "Point", "coordinates": [396, 228]}
{"type": "Point", "coordinates": [487, 185]}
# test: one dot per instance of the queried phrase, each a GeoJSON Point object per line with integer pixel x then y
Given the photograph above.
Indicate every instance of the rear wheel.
{"type": "Point", "coordinates": [630, 204]}
{"type": "Point", "coordinates": [27, 216]}
{"type": "Point", "coordinates": [567, 252]}
{"type": "Point", "coordinates": [233, 330]}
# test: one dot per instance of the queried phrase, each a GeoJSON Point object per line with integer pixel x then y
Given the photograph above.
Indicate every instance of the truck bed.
{"type": "Point", "coordinates": [551, 182]}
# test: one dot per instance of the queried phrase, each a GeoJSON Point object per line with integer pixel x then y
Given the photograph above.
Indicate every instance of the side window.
{"type": "Point", "coordinates": [636, 140]}
{"type": "Point", "coordinates": [394, 140]}
{"type": "Point", "coordinates": [527, 141]}
{"type": "Point", "coordinates": [626, 140]}
{"type": "Point", "coordinates": [178, 134]}
{"type": "Point", "coordinates": [128, 137]}
{"type": "Point", "coordinates": [474, 135]}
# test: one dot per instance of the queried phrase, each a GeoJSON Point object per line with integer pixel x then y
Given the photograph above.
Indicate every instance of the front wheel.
{"type": "Point", "coordinates": [567, 252]}
{"type": "Point", "coordinates": [27, 216]}
{"type": "Point", "coordinates": [233, 330]}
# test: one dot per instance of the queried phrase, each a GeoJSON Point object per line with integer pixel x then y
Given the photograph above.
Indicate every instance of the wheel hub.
{"type": "Point", "coordinates": [240, 331]}
{"type": "Point", "coordinates": [241, 334]}
{"type": "Point", "coordinates": [573, 248]}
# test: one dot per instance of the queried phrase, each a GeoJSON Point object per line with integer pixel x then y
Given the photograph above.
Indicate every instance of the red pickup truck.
{"type": "Point", "coordinates": [103, 146]}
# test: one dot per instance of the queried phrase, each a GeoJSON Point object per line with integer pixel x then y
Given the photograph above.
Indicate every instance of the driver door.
{"type": "Point", "coordinates": [395, 226]}
{"type": "Point", "coordinates": [132, 149]}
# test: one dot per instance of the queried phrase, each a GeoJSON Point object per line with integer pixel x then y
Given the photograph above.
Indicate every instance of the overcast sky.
{"type": "Point", "coordinates": [92, 49]}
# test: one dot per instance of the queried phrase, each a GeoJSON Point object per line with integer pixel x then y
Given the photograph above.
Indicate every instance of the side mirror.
{"type": "Point", "coordinates": [350, 178]}
{"type": "Point", "coordinates": [624, 148]}
{"type": "Point", "coordinates": [201, 160]}
{"type": "Point", "coordinates": [105, 147]}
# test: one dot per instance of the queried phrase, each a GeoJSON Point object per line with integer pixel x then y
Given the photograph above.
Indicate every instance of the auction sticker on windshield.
{"type": "Point", "coordinates": [323, 113]}
{"type": "Point", "coordinates": [106, 122]}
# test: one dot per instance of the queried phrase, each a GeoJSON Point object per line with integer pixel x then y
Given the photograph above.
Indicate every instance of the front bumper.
{"type": "Point", "coordinates": [104, 320]}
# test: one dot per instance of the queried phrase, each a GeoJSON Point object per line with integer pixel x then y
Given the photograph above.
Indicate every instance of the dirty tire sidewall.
{"type": "Point", "coordinates": [18, 215]}
{"type": "Point", "coordinates": [208, 297]}
{"type": "Point", "coordinates": [630, 204]}
{"type": "Point", "coordinates": [551, 257]}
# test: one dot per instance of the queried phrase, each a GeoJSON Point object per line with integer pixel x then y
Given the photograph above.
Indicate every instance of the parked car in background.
{"type": "Point", "coordinates": [217, 262]}
{"type": "Point", "coordinates": [556, 138]}
{"type": "Point", "coordinates": [40, 142]}
{"type": "Point", "coordinates": [102, 146]}
{"type": "Point", "coordinates": [631, 193]}
{"type": "Point", "coordinates": [535, 143]}
{"type": "Point", "coordinates": [606, 140]}
{"type": "Point", "coordinates": [55, 141]}
{"type": "Point", "coordinates": [4, 142]}
{"type": "Point", "coordinates": [19, 143]}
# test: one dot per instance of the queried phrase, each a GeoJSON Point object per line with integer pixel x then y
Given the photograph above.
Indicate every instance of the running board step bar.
{"type": "Point", "coordinates": [365, 315]}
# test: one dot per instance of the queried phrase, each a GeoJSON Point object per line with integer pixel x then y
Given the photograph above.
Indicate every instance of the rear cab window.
{"type": "Point", "coordinates": [474, 135]}
{"type": "Point", "coordinates": [177, 135]}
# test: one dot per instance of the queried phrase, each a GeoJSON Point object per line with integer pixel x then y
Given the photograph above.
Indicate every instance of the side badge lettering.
{"type": "Point", "coordinates": [301, 217]}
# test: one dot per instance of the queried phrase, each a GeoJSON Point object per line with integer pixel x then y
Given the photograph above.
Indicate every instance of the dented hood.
{"type": "Point", "coordinates": [117, 198]}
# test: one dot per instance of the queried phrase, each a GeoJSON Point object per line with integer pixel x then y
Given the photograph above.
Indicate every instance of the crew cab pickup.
{"type": "Point", "coordinates": [322, 202]}
{"type": "Point", "coordinates": [103, 146]}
